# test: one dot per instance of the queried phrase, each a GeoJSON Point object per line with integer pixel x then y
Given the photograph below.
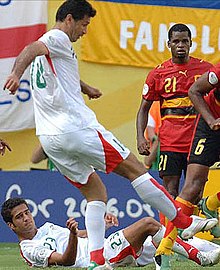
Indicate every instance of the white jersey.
{"type": "Point", "coordinates": [50, 238]}
{"type": "Point", "coordinates": [58, 103]}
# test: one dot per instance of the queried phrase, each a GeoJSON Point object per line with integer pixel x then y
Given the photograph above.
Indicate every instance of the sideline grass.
{"type": "Point", "coordinates": [10, 260]}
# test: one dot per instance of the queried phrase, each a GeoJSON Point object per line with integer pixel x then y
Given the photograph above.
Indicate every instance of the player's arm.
{"type": "Point", "coordinates": [196, 93]}
{"type": "Point", "coordinates": [82, 233]}
{"type": "Point", "coordinates": [23, 60]}
{"type": "Point", "coordinates": [152, 136]}
{"type": "Point", "coordinates": [141, 124]}
{"type": "Point", "coordinates": [90, 91]}
{"type": "Point", "coordinates": [38, 155]}
{"type": "Point", "coordinates": [69, 256]}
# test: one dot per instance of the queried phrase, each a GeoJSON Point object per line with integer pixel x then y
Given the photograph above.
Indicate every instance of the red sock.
{"type": "Point", "coordinates": [97, 256]}
{"type": "Point", "coordinates": [163, 219]}
{"type": "Point", "coordinates": [181, 220]}
{"type": "Point", "coordinates": [186, 206]}
{"type": "Point", "coordinates": [187, 209]}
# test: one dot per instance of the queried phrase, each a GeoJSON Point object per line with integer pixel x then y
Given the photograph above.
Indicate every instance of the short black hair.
{"type": "Point", "coordinates": [9, 205]}
{"type": "Point", "coordinates": [77, 8]}
{"type": "Point", "coordinates": [179, 27]}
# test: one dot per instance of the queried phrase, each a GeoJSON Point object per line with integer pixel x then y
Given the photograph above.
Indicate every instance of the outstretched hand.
{"type": "Point", "coordinates": [72, 225]}
{"type": "Point", "coordinates": [93, 93]}
{"type": "Point", "coordinates": [3, 147]}
{"type": "Point", "coordinates": [143, 147]}
{"type": "Point", "coordinates": [110, 221]}
{"type": "Point", "coordinates": [12, 83]}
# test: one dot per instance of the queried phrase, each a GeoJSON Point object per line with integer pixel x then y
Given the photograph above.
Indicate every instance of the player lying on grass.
{"type": "Point", "coordinates": [134, 245]}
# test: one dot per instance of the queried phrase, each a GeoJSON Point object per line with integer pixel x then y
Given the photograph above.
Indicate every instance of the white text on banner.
{"type": "Point", "coordinates": [130, 34]}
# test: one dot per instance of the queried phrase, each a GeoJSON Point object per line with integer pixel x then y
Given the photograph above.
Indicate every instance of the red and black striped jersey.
{"type": "Point", "coordinates": [169, 83]}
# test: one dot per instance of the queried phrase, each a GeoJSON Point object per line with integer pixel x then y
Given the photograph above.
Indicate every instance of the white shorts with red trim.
{"type": "Point", "coordinates": [118, 251]}
{"type": "Point", "coordinates": [78, 153]}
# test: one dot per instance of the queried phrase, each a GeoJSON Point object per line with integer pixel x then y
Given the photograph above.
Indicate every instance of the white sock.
{"type": "Point", "coordinates": [154, 196]}
{"type": "Point", "coordinates": [156, 239]}
{"type": "Point", "coordinates": [95, 224]}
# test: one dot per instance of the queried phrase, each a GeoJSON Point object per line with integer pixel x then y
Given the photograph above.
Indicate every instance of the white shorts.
{"type": "Point", "coordinates": [78, 153]}
{"type": "Point", "coordinates": [118, 251]}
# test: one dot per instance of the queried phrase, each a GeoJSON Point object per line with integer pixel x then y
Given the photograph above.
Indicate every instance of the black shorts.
{"type": "Point", "coordinates": [172, 163]}
{"type": "Point", "coordinates": [205, 148]}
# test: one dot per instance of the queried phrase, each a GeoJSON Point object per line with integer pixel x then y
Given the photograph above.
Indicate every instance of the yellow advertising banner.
{"type": "Point", "coordinates": [134, 34]}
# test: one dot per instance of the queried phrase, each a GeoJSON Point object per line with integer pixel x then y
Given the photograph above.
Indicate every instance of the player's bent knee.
{"type": "Point", "coordinates": [149, 221]}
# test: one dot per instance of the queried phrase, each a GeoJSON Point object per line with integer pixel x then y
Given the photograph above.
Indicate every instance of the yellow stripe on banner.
{"type": "Point", "coordinates": [176, 102]}
{"type": "Point", "coordinates": [132, 34]}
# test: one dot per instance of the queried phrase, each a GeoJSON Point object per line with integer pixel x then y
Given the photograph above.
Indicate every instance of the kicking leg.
{"type": "Point", "coordinates": [150, 191]}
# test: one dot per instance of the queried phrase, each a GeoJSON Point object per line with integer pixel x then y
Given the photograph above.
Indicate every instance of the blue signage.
{"type": "Point", "coordinates": [52, 198]}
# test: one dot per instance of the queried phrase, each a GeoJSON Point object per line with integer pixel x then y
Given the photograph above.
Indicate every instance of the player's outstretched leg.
{"type": "Point", "coordinates": [157, 196]}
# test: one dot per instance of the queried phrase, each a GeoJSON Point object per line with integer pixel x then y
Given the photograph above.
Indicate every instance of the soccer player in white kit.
{"type": "Point", "coordinates": [134, 245]}
{"type": "Point", "coordinates": [71, 135]}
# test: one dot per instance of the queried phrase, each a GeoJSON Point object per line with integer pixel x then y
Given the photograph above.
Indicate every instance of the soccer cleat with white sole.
{"type": "Point", "coordinates": [198, 225]}
{"type": "Point", "coordinates": [209, 258]}
{"type": "Point", "coordinates": [95, 266]}
{"type": "Point", "coordinates": [215, 231]}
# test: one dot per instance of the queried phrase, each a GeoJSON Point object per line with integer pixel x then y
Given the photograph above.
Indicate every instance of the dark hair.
{"type": "Point", "coordinates": [77, 8]}
{"type": "Point", "coordinates": [8, 206]}
{"type": "Point", "coordinates": [179, 27]}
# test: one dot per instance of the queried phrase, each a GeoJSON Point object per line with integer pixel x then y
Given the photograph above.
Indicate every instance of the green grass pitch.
{"type": "Point", "coordinates": [10, 260]}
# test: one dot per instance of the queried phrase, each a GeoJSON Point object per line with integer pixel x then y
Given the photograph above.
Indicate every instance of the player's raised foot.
{"type": "Point", "coordinates": [95, 266]}
{"type": "Point", "coordinates": [198, 225]}
{"type": "Point", "coordinates": [209, 258]}
{"type": "Point", "coordinates": [215, 231]}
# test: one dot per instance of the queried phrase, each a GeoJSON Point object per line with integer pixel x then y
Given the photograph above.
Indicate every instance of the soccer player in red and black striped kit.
{"type": "Point", "coordinates": [169, 83]}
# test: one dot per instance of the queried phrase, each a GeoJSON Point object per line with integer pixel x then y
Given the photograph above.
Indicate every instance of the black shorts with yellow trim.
{"type": "Point", "coordinates": [172, 163]}
{"type": "Point", "coordinates": [205, 149]}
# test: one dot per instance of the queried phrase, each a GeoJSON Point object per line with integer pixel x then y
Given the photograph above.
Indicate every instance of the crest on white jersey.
{"type": "Point", "coordinates": [145, 89]}
{"type": "Point", "coordinates": [213, 79]}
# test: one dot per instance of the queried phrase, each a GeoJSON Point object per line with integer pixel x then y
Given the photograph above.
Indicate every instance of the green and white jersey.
{"type": "Point", "coordinates": [50, 238]}
{"type": "Point", "coordinates": [58, 103]}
